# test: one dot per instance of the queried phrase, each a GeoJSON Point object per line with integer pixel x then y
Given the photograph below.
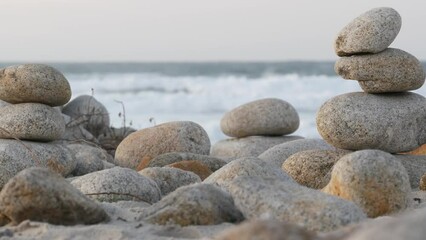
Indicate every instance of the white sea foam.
{"type": "Point", "coordinates": [203, 99]}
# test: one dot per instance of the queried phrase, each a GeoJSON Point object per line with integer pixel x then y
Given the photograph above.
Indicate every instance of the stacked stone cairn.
{"type": "Point", "coordinates": [255, 127]}
{"type": "Point", "coordinates": [385, 117]}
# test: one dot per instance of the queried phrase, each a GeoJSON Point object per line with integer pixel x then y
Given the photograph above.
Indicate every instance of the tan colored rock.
{"type": "Point", "coordinates": [422, 184]}
{"type": "Point", "coordinates": [213, 163]}
{"type": "Point", "coordinates": [38, 194]}
{"type": "Point", "coordinates": [268, 117]}
{"type": "Point", "coordinates": [31, 121]}
{"type": "Point", "coordinates": [371, 32]}
{"type": "Point", "coordinates": [193, 166]}
{"type": "Point", "coordinates": [312, 168]}
{"type": "Point", "coordinates": [36, 83]}
{"type": "Point", "coordinates": [374, 180]}
{"type": "Point", "coordinates": [139, 148]}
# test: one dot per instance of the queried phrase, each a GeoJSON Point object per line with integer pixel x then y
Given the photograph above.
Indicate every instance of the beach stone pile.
{"type": "Point", "coordinates": [255, 127]}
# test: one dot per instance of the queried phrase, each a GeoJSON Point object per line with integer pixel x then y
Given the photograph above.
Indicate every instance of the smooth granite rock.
{"type": "Point", "coordinates": [268, 116]}
{"type": "Point", "coordinates": [213, 163]}
{"type": "Point", "coordinates": [312, 168]}
{"type": "Point", "coordinates": [139, 148]}
{"type": "Point", "coordinates": [278, 154]}
{"type": "Point", "coordinates": [16, 156]}
{"type": "Point", "coordinates": [169, 179]}
{"type": "Point", "coordinates": [202, 170]}
{"type": "Point", "coordinates": [248, 166]}
{"type": "Point", "coordinates": [85, 110]}
{"type": "Point", "coordinates": [118, 184]}
{"type": "Point", "coordinates": [392, 70]}
{"type": "Point", "coordinates": [31, 121]}
{"type": "Point", "coordinates": [34, 83]}
{"type": "Point", "coordinates": [393, 122]}
{"type": "Point", "coordinates": [286, 201]}
{"type": "Point", "coordinates": [371, 32]}
{"type": "Point", "coordinates": [89, 158]}
{"type": "Point", "coordinates": [247, 147]}
{"type": "Point", "coordinates": [39, 194]}
{"type": "Point", "coordinates": [415, 166]}
{"type": "Point", "coordinates": [267, 229]}
{"type": "Point", "coordinates": [374, 180]}
{"type": "Point", "coordinates": [197, 204]}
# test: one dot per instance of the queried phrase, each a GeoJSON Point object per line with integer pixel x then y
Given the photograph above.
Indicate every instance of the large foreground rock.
{"type": "Point", "coordinates": [393, 122]}
{"type": "Point", "coordinates": [372, 32]}
{"type": "Point", "coordinates": [40, 195]}
{"type": "Point", "coordinates": [392, 70]}
{"type": "Point", "coordinates": [118, 184]}
{"type": "Point", "coordinates": [198, 204]}
{"type": "Point", "coordinates": [139, 148]}
{"type": "Point", "coordinates": [16, 156]}
{"type": "Point", "coordinates": [247, 147]}
{"type": "Point", "coordinates": [268, 116]}
{"type": "Point", "coordinates": [374, 180]}
{"type": "Point", "coordinates": [31, 121]}
{"type": "Point", "coordinates": [36, 83]}
{"type": "Point", "coordinates": [273, 198]}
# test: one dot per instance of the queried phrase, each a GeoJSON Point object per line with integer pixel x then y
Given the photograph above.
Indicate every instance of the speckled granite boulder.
{"type": "Point", "coordinates": [85, 110]}
{"type": "Point", "coordinates": [374, 180]}
{"type": "Point", "coordinates": [213, 163]}
{"type": "Point", "coordinates": [247, 147]}
{"type": "Point", "coordinates": [197, 204]}
{"type": "Point", "coordinates": [38, 194]}
{"type": "Point", "coordinates": [393, 122]}
{"type": "Point", "coordinates": [372, 32]}
{"type": "Point", "coordinates": [286, 201]}
{"type": "Point", "coordinates": [312, 168]}
{"type": "Point", "coordinates": [118, 184]}
{"type": "Point", "coordinates": [139, 148]}
{"type": "Point", "coordinates": [169, 179]}
{"type": "Point", "coordinates": [31, 121]}
{"type": "Point", "coordinates": [35, 83]}
{"type": "Point", "coordinates": [392, 70]}
{"type": "Point", "coordinates": [279, 153]}
{"type": "Point", "coordinates": [268, 116]}
{"type": "Point", "coordinates": [89, 158]}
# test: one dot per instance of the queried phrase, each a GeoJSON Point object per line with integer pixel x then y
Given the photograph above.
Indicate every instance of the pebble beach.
{"type": "Point", "coordinates": [66, 173]}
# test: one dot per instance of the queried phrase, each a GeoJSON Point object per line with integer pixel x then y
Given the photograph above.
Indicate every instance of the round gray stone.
{"type": "Point", "coordinates": [374, 180]}
{"type": "Point", "coordinates": [268, 116]}
{"type": "Point", "coordinates": [372, 32]}
{"type": "Point", "coordinates": [31, 121]}
{"type": "Point", "coordinates": [89, 158]}
{"type": "Point", "coordinates": [393, 122]}
{"type": "Point", "coordinates": [36, 83]}
{"type": "Point", "coordinates": [392, 70]}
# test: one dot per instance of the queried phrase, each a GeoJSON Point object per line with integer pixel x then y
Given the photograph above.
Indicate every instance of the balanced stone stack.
{"type": "Point", "coordinates": [255, 127]}
{"type": "Point", "coordinates": [385, 116]}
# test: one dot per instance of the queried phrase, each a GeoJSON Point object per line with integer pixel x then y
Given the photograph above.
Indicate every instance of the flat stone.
{"type": "Point", "coordinates": [198, 204]}
{"type": "Point", "coordinates": [118, 184]}
{"type": "Point", "coordinates": [31, 121]}
{"type": "Point", "coordinates": [89, 158]}
{"type": "Point", "coordinates": [392, 122]}
{"type": "Point", "coordinates": [279, 153]}
{"type": "Point", "coordinates": [266, 229]}
{"type": "Point", "coordinates": [268, 116]}
{"type": "Point", "coordinates": [374, 180]}
{"type": "Point", "coordinates": [85, 110]}
{"type": "Point", "coordinates": [139, 148]}
{"type": "Point", "coordinates": [312, 168]}
{"type": "Point", "coordinates": [286, 201]}
{"type": "Point", "coordinates": [392, 70]}
{"type": "Point", "coordinates": [169, 179]}
{"type": "Point", "coordinates": [16, 156]}
{"type": "Point", "coordinates": [248, 166]}
{"type": "Point", "coordinates": [251, 146]}
{"type": "Point", "coordinates": [38, 194]}
{"type": "Point", "coordinates": [36, 83]}
{"type": "Point", "coordinates": [193, 166]}
{"type": "Point", "coordinates": [213, 163]}
{"type": "Point", "coordinates": [371, 32]}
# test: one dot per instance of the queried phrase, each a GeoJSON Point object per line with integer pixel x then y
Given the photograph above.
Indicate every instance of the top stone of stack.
{"type": "Point", "coordinates": [372, 32]}
{"type": "Point", "coordinates": [34, 83]}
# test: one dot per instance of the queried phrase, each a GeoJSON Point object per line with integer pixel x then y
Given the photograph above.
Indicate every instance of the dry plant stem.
{"type": "Point", "coordinates": [124, 114]}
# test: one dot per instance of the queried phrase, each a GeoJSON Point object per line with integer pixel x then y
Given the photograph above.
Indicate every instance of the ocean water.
{"type": "Point", "coordinates": [154, 93]}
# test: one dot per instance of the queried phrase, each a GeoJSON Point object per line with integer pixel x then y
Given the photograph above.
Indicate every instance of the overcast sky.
{"type": "Point", "coordinates": [190, 30]}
